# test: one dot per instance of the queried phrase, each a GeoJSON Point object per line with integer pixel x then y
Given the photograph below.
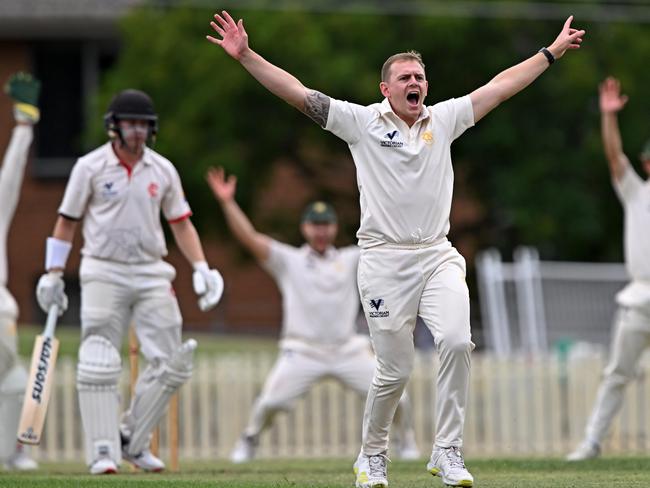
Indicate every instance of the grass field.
{"type": "Point", "coordinates": [208, 343]}
{"type": "Point", "coordinates": [612, 472]}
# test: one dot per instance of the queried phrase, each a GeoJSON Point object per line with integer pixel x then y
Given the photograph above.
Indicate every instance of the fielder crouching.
{"type": "Point", "coordinates": [119, 190]}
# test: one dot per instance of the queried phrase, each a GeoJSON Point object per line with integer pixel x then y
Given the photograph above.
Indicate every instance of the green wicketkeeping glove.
{"type": "Point", "coordinates": [24, 89]}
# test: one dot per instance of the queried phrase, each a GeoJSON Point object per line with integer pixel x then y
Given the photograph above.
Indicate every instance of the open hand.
{"type": "Point", "coordinates": [222, 187]}
{"type": "Point", "coordinates": [611, 100]}
{"type": "Point", "coordinates": [234, 39]}
{"type": "Point", "coordinates": [568, 38]}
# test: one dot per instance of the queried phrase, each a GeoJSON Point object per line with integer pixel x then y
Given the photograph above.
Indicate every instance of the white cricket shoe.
{"type": "Point", "coordinates": [408, 450]}
{"type": "Point", "coordinates": [145, 460]}
{"type": "Point", "coordinates": [586, 450]}
{"type": "Point", "coordinates": [244, 450]}
{"type": "Point", "coordinates": [371, 471]}
{"type": "Point", "coordinates": [448, 463]}
{"type": "Point", "coordinates": [20, 461]}
{"type": "Point", "coordinates": [103, 465]}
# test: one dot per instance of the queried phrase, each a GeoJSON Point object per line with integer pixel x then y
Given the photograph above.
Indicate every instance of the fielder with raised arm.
{"type": "Point", "coordinates": [24, 91]}
{"type": "Point", "coordinates": [632, 326]}
{"type": "Point", "coordinates": [407, 267]}
{"type": "Point", "coordinates": [119, 190]}
{"type": "Point", "coordinates": [320, 306]}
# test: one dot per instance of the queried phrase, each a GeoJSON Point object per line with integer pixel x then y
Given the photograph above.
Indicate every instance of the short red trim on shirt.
{"type": "Point", "coordinates": [129, 169]}
{"type": "Point", "coordinates": [181, 218]}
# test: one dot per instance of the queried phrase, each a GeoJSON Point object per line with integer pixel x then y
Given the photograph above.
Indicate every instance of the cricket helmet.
{"type": "Point", "coordinates": [130, 104]}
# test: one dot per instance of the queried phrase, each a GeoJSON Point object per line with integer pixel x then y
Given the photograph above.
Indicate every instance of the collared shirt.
{"type": "Point", "coordinates": [404, 174]}
{"type": "Point", "coordinates": [634, 194]}
{"type": "Point", "coordinates": [120, 206]}
{"type": "Point", "coordinates": [319, 292]}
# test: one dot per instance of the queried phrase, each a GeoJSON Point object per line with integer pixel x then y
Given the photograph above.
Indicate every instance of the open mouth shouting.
{"type": "Point", "coordinates": [413, 98]}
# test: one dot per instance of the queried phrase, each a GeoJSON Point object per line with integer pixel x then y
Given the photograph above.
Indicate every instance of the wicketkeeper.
{"type": "Point", "coordinates": [23, 89]}
{"type": "Point", "coordinates": [119, 190]}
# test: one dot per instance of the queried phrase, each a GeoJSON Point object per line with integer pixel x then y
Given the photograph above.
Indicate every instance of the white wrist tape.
{"type": "Point", "coordinates": [201, 266]}
{"type": "Point", "coordinates": [56, 253]}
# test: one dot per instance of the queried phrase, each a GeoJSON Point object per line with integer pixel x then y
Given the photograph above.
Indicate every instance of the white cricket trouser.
{"type": "Point", "coordinates": [115, 294]}
{"type": "Point", "coordinates": [631, 337]}
{"type": "Point", "coordinates": [301, 365]}
{"type": "Point", "coordinates": [396, 285]}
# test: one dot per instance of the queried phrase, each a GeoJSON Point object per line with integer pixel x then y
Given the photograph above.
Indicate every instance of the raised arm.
{"type": "Point", "coordinates": [514, 79]}
{"type": "Point", "coordinates": [611, 102]}
{"type": "Point", "coordinates": [234, 40]}
{"type": "Point", "coordinates": [224, 191]}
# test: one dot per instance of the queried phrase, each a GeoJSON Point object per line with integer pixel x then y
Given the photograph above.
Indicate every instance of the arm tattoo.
{"type": "Point", "coordinates": [317, 107]}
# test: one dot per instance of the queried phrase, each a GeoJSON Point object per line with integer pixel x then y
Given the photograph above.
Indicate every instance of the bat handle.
{"type": "Point", "coordinates": [50, 324]}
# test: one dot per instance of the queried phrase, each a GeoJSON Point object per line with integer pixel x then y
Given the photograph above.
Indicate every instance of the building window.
{"type": "Point", "coordinates": [70, 71]}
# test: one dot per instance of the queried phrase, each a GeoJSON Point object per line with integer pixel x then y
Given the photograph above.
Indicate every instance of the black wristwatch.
{"type": "Point", "coordinates": [549, 55]}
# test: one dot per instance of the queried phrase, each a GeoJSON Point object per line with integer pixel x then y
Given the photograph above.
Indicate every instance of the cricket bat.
{"type": "Point", "coordinates": [39, 384]}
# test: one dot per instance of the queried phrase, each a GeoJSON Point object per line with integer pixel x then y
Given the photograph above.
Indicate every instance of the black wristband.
{"type": "Point", "coordinates": [549, 55]}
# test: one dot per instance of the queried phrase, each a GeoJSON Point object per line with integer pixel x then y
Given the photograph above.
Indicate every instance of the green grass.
{"type": "Point", "coordinates": [539, 473]}
{"type": "Point", "coordinates": [208, 343]}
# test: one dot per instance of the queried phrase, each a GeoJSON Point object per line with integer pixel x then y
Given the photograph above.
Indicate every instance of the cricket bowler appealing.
{"type": "Point", "coordinates": [119, 190]}
{"type": "Point", "coordinates": [320, 305]}
{"type": "Point", "coordinates": [408, 268]}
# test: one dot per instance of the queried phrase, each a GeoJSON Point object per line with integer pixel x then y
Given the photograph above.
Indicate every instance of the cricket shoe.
{"type": "Point", "coordinates": [448, 463]}
{"type": "Point", "coordinates": [103, 465]}
{"type": "Point", "coordinates": [408, 451]}
{"type": "Point", "coordinates": [371, 471]}
{"type": "Point", "coordinates": [244, 450]}
{"type": "Point", "coordinates": [586, 450]}
{"type": "Point", "coordinates": [20, 461]}
{"type": "Point", "coordinates": [144, 460]}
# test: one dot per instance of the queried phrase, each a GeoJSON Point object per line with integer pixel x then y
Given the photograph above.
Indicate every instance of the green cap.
{"type": "Point", "coordinates": [319, 213]}
{"type": "Point", "coordinates": [645, 152]}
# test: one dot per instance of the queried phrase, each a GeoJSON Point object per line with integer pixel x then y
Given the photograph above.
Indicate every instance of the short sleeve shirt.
{"type": "Point", "coordinates": [634, 194]}
{"type": "Point", "coordinates": [319, 292]}
{"type": "Point", "coordinates": [121, 207]}
{"type": "Point", "coordinates": [404, 174]}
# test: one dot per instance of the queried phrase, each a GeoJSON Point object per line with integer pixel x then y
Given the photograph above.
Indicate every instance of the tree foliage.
{"type": "Point", "coordinates": [535, 164]}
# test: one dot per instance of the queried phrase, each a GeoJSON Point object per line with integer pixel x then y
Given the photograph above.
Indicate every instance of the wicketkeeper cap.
{"type": "Point", "coordinates": [319, 213]}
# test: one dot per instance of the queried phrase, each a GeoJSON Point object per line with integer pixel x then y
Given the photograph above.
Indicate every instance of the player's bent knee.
{"type": "Point", "coordinates": [275, 404]}
{"type": "Point", "coordinates": [176, 370]}
{"type": "Point", "coordinates": [99, 363]}
{"type": "Point", "coordinates": [457, 344]}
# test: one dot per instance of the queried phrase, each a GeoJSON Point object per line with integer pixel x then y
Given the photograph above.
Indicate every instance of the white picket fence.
{"type": "Point", "coordinates": [518, 407]}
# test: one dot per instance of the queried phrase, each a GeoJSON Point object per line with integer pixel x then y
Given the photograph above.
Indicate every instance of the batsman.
{"type": "Point", "coordinates": [119, 190]}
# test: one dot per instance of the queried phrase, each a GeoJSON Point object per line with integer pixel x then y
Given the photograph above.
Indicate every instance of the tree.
{"type": "Point", "coordinates": [535, 164]}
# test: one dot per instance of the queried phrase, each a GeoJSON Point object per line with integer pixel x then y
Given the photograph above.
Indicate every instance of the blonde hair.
{"type": "Point", "coordinates": [407, 56]}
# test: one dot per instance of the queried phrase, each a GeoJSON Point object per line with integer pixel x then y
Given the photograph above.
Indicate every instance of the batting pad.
{"type": "Point", "coordinates": [154, 389]}
{"type": "Point", "coordinates": [98, 373]}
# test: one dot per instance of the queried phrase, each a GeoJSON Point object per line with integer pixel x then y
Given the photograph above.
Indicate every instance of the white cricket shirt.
{"type": "Point", "coordinates": [121, 207]}
{"type": "Point", "coordinates": [405, 176]}
{"type": "Point", "coordinates": [634, 194]}
{"type": "Point", "coordinates": [320, 299]}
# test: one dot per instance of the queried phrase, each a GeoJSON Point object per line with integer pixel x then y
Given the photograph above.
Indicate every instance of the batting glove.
{"type": "Point", "coordinates": [50, 291]}
{"type": "Point", "coordinates": [208, 285]}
